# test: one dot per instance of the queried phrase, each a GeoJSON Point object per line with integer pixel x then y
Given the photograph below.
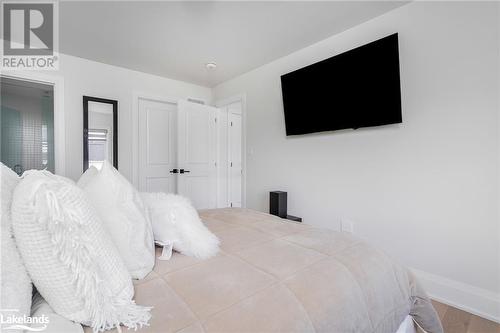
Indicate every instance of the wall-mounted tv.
{"type": "Point", "coordinates": [357, 88]}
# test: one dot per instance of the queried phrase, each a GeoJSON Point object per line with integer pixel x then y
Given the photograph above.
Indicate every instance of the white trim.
{"type": "Point", "coordinates": [135, 127]}
{"type": "Point", "coordinates": [59, 125]}
{"type": "Point", "coordinates": [478, 301]}
{"type": "Point", "coordinates": [230, 100]}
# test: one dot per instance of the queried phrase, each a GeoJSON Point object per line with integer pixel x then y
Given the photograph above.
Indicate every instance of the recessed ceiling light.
{"type": "Point", "coordinates": [210, 65]}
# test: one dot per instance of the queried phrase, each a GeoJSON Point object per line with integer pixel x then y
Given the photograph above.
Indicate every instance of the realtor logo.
{"type": "Point", "coordinates": [29, 33]}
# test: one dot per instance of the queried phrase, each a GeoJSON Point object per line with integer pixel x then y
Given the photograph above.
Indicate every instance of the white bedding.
{"type": "Point", "coordinates": [272, 275]}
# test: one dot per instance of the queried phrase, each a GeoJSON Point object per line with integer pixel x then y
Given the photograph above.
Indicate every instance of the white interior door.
{"type": "Point", "coordinates": [222, 158]}
{"type": "Point", "coordinates": [235, 165]}
{"type": "Point", "coordinates": [196, 153]}
{"type": "Point", "coordinates": [157, 146]}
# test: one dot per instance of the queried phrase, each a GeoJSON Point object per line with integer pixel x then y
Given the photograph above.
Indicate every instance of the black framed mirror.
{"type": "Point", "coordinates": [100, 132]}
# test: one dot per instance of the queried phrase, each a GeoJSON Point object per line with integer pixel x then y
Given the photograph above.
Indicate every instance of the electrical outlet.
{"type": "Point", "coordinates": [346, 225]}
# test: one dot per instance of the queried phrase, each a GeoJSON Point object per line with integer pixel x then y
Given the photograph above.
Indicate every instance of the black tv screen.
{"type": "Point", "coordinates": [357, 88]}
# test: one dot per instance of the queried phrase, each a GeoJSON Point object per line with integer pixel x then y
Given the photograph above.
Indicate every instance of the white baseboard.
{"type": "Point", "coordinates": [478, 301]}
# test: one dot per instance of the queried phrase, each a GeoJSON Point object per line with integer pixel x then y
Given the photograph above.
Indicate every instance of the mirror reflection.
{"type": "Point", "coordinates": [100, 137]}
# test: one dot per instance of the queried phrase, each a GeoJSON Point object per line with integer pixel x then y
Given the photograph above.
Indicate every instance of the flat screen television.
{"type": "Point", "coordinates": [357, 88]}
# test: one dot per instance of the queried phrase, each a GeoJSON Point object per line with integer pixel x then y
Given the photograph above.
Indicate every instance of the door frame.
{"type": "Point", "coordinates": [225, 102]}
{"type": "Point", "coordinates": [135, 127]}
{"type": "Point", "coordinates": [57, 82]}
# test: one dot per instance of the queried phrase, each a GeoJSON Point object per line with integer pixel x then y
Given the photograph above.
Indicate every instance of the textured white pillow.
{"type": "Point", "coordinates": [124, 216]}
{"type": "Point", "coordinates": [8, 180]}
{"type": "Point", "coordinates": [176, 221]}
{"type": "Point", "coordinates": [56, 323]}
{"type": "Point", "coordinates": [70, 256]}
{"type": "Point", "coordinates": [87, 176]}
{"type": "Point", "coordinates": [16, 287]}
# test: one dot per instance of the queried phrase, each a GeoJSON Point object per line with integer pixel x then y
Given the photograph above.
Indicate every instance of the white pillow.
{"type": "Point", "coordinates": [55, 323]}
{"type": "Point", "coordinates": [16, 287]}
{"type": "Point", "coordinates": [87, 176]}
{"type": "Point", "coordinates": [70, 256]}
{"type": "Point", "coordinates": [175, 221]}
{"type": "Point", "coordinates": [9, 180]}
{"type": "Point", "coordinates": [124, 216]}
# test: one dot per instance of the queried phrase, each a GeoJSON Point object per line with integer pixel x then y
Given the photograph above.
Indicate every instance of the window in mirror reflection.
{"type": "Point", "coordinates": [100, 133]}
{"type": "Point", "coordinates": [98, 147]}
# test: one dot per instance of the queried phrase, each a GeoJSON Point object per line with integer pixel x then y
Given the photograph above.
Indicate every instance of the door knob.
{"type": "Point", "coordinates": [184, 171]}
{"type": "Point", "coordinates": [174, 171]}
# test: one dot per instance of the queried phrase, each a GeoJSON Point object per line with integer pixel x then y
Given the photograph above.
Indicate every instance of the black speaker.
{"type": "Point", "coordinates": [277, 203]}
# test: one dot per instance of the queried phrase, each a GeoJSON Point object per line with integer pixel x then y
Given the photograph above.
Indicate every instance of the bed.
{"type": "Point", "coordinates": [274, 275]}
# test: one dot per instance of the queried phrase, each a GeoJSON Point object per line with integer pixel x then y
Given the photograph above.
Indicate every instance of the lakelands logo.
{"type": "Point", "coordinates": [30, 36]}
{"type": "Point", "coordinates": [10, 319]}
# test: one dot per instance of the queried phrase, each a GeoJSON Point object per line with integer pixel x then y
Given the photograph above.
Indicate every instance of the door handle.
{"type": "Point", "coordinates": [174, 171]}
{"type": "Point", "coordinates": [184, 171]}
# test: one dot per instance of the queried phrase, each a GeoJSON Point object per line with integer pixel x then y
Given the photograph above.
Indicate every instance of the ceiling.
{"type": "Point", "coordinates": [177, 39]}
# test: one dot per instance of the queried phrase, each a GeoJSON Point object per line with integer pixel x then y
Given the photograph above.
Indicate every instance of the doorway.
{"type": "Point", "coordinates": [231, 153]}
{"type": "Point", "coordinates": [27, 125]}
{"type": "Point", "coordinates": [176, 150]}
{"type": "Point", "coordinates": [235, 167]}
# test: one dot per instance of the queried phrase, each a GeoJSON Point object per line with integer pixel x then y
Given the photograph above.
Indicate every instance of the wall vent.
{"type": "Point", "coordinates": [196, 101]}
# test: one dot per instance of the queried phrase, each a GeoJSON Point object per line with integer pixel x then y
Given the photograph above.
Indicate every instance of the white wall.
{"type": "Point", "coordinates": [426, 191]}
{"type": "Point", "coordinates": [85, 77]}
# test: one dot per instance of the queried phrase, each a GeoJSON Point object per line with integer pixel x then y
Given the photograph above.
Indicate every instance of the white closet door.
{"type": "Point", "coordinates": [235, 165]}
{"type": "Point", "coordinates": [157, 146]}
{"type": "Point", "coordinates": [222, 126]}
{"type": "Point", "coordinates": [196, 153]}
